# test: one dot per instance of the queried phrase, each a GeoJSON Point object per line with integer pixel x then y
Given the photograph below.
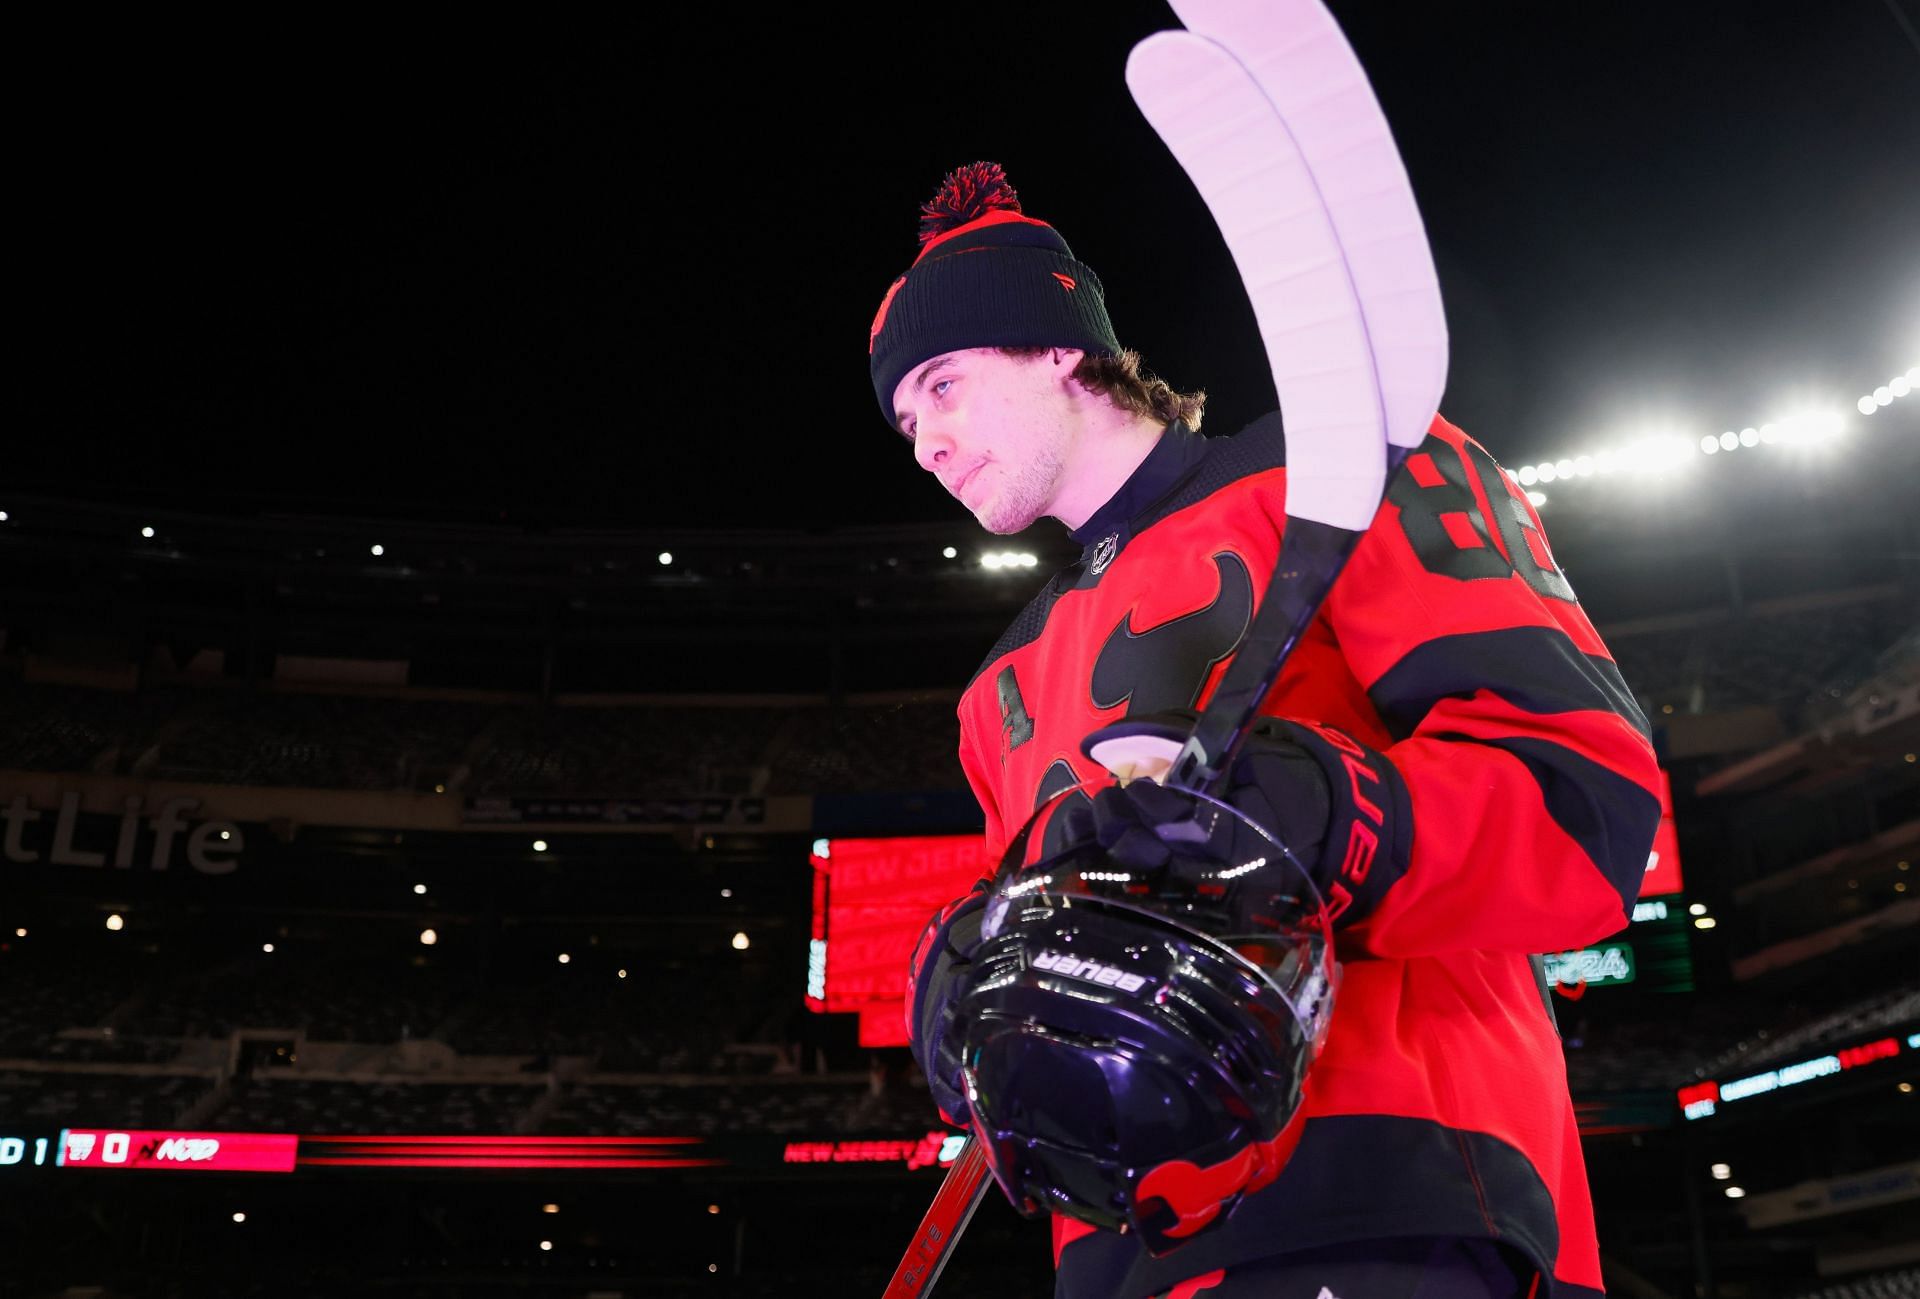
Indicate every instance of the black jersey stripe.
{"type": "Point", "coordinates": [1611, 817]}
{"type": "Point", "coordinates": [1536, 669]}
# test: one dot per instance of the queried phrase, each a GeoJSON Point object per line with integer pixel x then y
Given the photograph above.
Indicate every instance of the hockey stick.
{"type": "Point", "coordinates": [1267, 109]}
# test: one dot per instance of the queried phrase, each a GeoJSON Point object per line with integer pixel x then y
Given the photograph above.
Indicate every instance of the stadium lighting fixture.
{"type": "Point", "coordinates": [1900, 386]}
{"type": "Point", "coordinates": [726, 893]}
{"type": "Point", "coordinates": [1705, 922]}
{"type": "Point", "coordinates": [3, 516]}
{"type": "Point", "coordinates": [379, 550]}
{"type": "Point", "coordinates": [1697, 909]}
{"type": "Point", "coordinates": [419, 888]}
{"type": "Point", "coordinates": [549, 1208]}
{"type": "Point", "coordinates": [1722, 1172]}
{"type": "Point", "coordinates": [949, 553]}
{"type": "Point", "coordinates": [1906, 1088]}
{"type": "Point", "coordinates": [1866, 406]}
{"type": "Point", "coordinates": [1735, 1192]}
{"type": "Point", "coordinates": [147, 533]}
{"type": "Point", "coordinates": [546, 1244]}
{"type": "Point", "coordinates": [114, 922]}
{"type": "Point", "coordinates": [19, 933]}
{"type": "Point", "coordinates": [713, 1208]}
{"type": "Point", "coordinates": [1537, 499]}
{"type": "Point", "coordinates": [428, 938]}
{"type": "Point", "coordinates": [623, 974]}
{"type": "Point", "coordinates": [564, 958]}
{"type": "Point", "coordinates": [439, 789]}
{"type": "Point", "coordinates": [666, 557]}
{"type": "Point", "coordinates": [740, 941]}
{"type": "Point", "coordinates": [539, 845]}
{"type": "Point", "coordinates": [266, 947]}
{"type": "Point", "coordinates": [239, 1217]}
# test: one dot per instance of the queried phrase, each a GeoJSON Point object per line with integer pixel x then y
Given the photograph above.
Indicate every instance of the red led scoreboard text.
{"type": "Point", "coordinates": [871, 898]}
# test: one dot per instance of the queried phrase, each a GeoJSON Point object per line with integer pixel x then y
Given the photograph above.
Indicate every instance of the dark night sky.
{"type": "Point", "coordinates": [619, 278]}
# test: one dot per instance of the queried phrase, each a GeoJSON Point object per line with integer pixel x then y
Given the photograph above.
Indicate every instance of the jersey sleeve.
{"type": "Point", "coordinates": [975, 754]}
{"type": "Point", "coordinates": [1529, 778]}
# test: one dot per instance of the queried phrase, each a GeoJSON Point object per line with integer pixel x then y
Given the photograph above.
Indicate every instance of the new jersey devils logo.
{"type": "Point", "coordinates": [1167, 666]}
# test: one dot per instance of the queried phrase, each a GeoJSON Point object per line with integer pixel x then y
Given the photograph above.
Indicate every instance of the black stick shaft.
{"type": "Point", "coordinates": [1311, 557]}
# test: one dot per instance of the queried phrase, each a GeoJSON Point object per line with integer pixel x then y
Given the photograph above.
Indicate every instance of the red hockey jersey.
{"type": "Point", "coordinates": [1453, 644]}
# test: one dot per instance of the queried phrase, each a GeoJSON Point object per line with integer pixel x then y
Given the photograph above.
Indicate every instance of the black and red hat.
{"type": "Point", "coordinates": [987, 276]}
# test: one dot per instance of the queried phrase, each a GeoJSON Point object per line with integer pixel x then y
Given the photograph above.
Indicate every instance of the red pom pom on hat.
{"type": "Point", "coordinates": [968, 193]}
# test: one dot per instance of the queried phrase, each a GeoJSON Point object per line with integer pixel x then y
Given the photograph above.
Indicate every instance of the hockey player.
{"type": "Point", "coordinates": [1451, 709]}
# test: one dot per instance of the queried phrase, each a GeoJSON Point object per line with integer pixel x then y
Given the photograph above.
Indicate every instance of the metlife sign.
{"type": "Point", "coordinates": [146, 838]}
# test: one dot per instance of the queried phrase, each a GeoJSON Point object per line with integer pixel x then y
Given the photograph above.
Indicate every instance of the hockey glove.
{"type": "Point", "coordinates": [1339, 807]}
{"type": "Point", "coordinates": [941, 960]}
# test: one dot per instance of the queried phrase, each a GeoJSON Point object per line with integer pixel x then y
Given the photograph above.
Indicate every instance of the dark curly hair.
{"type": "Point", "coordinates": [1124, 383]}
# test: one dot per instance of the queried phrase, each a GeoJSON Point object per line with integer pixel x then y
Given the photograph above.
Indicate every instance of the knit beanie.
{"type": "Point", "coordinates": [987, 276]}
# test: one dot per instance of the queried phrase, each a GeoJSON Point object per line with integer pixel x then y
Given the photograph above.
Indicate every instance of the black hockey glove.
{"type": "Point", "coordinates": [1339, 807]}
{"type": "Point", "coordinates": [940, 961]}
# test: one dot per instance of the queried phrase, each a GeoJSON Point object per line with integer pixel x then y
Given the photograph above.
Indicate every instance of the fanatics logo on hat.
{"type": "Point", "coordinates": [1066, 281]}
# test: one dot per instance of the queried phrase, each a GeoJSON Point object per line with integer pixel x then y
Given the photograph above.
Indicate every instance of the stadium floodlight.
{"type": "Point", "coordinates": [1697, 909]}
{"type": "Point", "coordinates": [114, 922]}
{"type": "Point", "coordinates": [666, 557]}
{"type": "Point", "coordinates": [549, 1208]}
{"type": "Point", "coordinates": [539, 845]}
{"type": "Point", "coordinates": [1867, 405]}
{"type": "Point", "coordinates": [1883, 396]}
{"type": "Point", "coordinates": [267, 947]}
{"type": "Point", "coordinates": [1709, 444]}
{"type": "Point", "coordinates": [239, 1217]}
{"type": "Point", "coordinates": [1528, 475]}
{"type": "Point", "coordinates": [1721, 1172]}
{"type": "Point", "coordinates": [741, 941]}
{"type": "Point", "coordinates": [3, 516]}
{"type": "Point", "coordinates": [726, 893]}
{"type": "Point", "coordinates": [1900, 386]}
{"type": "Point", "coordinates": [1564, 468]}
{"type": "Point", "coordinates": [1546, 473]}
{"type": "Point", "coordinates": [147, 532]}
{"type": "Point", "coordinates": [1735, 1192]}
{"type": "Point", "coordinates": [1537, 499]}
{"type": "Point", "coordinates": [1729, 441]}
{"type": "Point", "coordinates": [419, 888]}
{"type": "Point", "coordinates": [1705, 922]}
{"type": "Point", "coordinates": [990, 561]}
{"type": "Point", "coordinates": [428, 938]}
{"type": "Point", "coordinates": [564, 958]}
{"type": "Point", "coordinates": [379, 550]}
{"type": "Point", "coordinates": [949, 553]}
{"type": "Point", "coordinates": [546, 1244]}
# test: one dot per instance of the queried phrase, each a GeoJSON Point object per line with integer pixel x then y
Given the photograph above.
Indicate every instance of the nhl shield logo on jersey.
{"type": "Point", "coordinates": [1103, 553]}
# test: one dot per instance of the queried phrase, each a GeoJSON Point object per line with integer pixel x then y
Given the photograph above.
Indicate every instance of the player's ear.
{"type": "Point", "coordinates": [1065, 358]}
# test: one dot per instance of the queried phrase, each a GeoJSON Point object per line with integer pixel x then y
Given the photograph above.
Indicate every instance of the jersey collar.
{"type": "Point", "coordinates": [1178, 450]}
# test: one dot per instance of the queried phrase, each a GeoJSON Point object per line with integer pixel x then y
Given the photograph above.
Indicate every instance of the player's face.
{"type": "Point", "coordinates": [995, 430]}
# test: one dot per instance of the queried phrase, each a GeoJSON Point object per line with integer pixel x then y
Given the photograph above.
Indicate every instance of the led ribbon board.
{"type": "Point", "coordinates": [871, 899]}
